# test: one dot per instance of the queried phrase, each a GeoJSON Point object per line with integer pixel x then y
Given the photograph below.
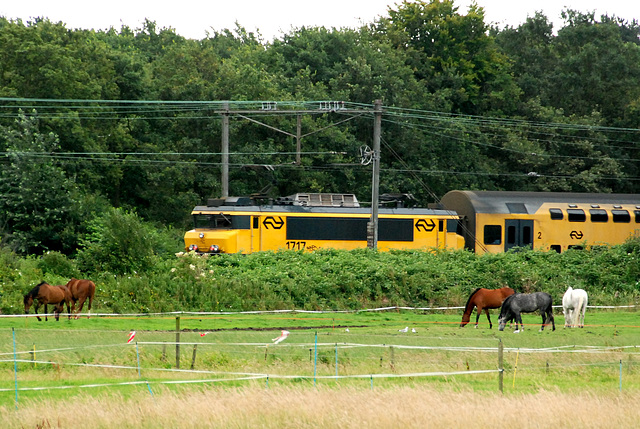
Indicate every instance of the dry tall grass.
{"type": "Point", "coordinates": [297, 407]}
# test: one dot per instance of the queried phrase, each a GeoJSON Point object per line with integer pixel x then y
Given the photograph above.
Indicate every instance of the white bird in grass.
{"type": "Point", "coordinates": [404, 330]}
{"type": "Point", "coordinates": [346, 330]}
{"type": "Point", "coordinates": [413, 330]}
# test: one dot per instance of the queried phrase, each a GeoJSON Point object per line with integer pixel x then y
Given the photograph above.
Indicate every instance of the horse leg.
{"type": "Point", "coordinates": [521, 323]}
{"type": "Point", "coordinates": [486, 310]}
{"type": "Point", "coordinates": [36, 305]}
{"type": "Point", "coordinates": [80, 304]}
{"type": "Point", "coordinates": [518, 318]}
{"type": "Point", "coordinates": [545, 319]}
{"type": "Point", "coordinates": [547, 316]}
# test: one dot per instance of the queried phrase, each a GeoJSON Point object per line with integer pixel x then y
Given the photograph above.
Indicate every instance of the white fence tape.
{"type": "Point", "coordinates": [228, 313]}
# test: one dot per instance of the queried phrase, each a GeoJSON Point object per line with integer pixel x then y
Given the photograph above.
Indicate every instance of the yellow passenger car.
{"type": "Point", "coordinates": [314, 221]}
{"type": "Point", "coordinates": [494, 221]}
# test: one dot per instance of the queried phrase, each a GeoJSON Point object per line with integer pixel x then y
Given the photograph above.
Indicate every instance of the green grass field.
{"type": "Point", "coordinates": [67, 356]}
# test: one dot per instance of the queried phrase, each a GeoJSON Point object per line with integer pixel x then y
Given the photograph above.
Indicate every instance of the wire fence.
{"type": "Point", "coordinates": [79, 358]}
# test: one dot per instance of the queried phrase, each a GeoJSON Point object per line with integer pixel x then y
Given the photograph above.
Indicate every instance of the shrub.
{"type": "Point", "coordinates": [122, 243]}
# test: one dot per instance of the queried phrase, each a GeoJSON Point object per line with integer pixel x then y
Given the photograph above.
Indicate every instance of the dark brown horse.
{"type": "Point", "coordinates": [45, 294]}
{"type": "Point", "coordinates": [80, 291]}
{"type": "Point", "coordinates": [484, 299]}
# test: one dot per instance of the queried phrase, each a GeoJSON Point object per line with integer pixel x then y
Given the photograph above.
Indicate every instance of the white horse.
{"type": "Point", "coordinates": [574, 306]}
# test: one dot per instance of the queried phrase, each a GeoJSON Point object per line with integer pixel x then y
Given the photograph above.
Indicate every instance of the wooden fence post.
{"type": "Point", "coordinates": [193, 359]}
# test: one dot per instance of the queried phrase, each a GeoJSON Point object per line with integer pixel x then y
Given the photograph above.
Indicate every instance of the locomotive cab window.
{"type": "Point", "coordinates": [204, 221]}
{"type": "Point", "coordinates": [492, 234]}
{"type": "Point", "coordinates": [637, 214]}
{"type": "Point", "coordinates": [212, 221]}
{"type": "Point", "coordinates": [621, 216]}
{"type": "Point", "coordinates": [599, 215]}
{"type": "Point", "coordinates": [576, 215]}
{"type": "Point", "coordinates": [556, 214]}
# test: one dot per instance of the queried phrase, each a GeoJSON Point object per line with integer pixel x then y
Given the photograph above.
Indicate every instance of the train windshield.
{"type": "Point", "coordinates": [212, 221]}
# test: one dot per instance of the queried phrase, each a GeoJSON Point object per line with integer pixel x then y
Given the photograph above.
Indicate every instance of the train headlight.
{"type": "Point", "coordinates": [193, 248]}
{"type": "Point", "coordinates": [214, 248]}
{"type": "Point", "coordinates": [201, 235]}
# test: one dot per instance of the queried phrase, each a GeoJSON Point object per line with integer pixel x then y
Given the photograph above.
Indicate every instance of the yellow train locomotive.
{"type": "Point", "coordinates": [315, 221]}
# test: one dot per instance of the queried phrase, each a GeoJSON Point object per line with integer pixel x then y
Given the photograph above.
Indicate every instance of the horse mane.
{"type": "Point", "coordinates": [506, 303]}
{"type": "Point", "coordinates": [33, 293]}
{"type": "Point", "coordinates": [471, 296]}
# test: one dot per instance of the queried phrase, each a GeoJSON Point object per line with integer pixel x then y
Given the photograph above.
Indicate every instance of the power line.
{"type": "Point", "coordinates": [437, 124]}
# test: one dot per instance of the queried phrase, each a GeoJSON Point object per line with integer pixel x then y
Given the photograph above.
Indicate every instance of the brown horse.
{"type": "Point", "coordinates": [484, 299]}
{"type": "Point", "coordinates": [45, 294]}
{"type": "Point", "coordinates": [80, 291]}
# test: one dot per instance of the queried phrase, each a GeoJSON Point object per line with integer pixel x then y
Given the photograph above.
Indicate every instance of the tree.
{"type": "Point", "coordinates": [36, 198]}
{"type": "Point", "coordinates": [453, 55]}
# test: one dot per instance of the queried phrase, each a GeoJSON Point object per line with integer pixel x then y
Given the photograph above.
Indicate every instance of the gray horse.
{"type": "Point", "coordinates": [526, 303]}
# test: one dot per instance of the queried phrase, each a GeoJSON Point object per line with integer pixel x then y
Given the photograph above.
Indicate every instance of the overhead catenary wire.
{"type": "Point", "coordinates": [422, 120]}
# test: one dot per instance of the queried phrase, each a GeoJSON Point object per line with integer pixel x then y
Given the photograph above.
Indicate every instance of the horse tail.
{"type": "Point", "coordinates": [580, 310]}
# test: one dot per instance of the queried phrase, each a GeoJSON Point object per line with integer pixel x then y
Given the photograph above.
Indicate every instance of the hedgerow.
{"type": "Point", "coordinates": [332, 279]}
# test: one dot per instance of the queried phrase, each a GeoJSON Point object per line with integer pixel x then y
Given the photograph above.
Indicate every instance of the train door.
{"type": "Point", "coordinates": [256, 234]}
{"type": "Point", "coordinates": [518, 233]}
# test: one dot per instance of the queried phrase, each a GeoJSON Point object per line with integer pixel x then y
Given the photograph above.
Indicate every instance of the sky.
{"type": "Point", "coordinates": [194, 18]}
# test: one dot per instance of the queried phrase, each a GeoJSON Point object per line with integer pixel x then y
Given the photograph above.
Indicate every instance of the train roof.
{"type": "Point", "coordinates": [316, 203]}
{"type": "Point", "coordinates": [528, 202]}
{"type": "Point", "coordinates": [273, 208]}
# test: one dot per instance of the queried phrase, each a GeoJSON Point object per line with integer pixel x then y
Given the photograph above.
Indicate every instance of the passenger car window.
{"type": "Point", "coordinates": [556, 214]}
{"type": "Point", "coordinates": [492, 234]}
{"type": "Point", "coordinates": [576, 215]}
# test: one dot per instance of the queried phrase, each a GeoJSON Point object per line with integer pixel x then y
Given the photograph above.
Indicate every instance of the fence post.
{"type": "Point", "coordinates": [392, 358]}
{"type": "Point", "coordinates": [193, 359]}
{"type": "Point", "coordinates": [500, 366]}
{"type": "Point", "coordinates": [621, 375]}
{"type": "Point", "coordinates": [178, 342]}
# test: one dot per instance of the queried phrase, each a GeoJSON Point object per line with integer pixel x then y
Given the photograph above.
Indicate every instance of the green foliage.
{"type": "Point", "coordinates": [56, 263]}
{"type": "Point", "coordinates": [121, 243]}
{"type": "Point", "coordinates": [323, 280]}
